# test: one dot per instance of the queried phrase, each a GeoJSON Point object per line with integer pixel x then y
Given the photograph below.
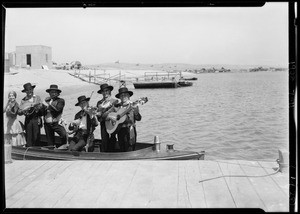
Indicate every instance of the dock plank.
{"type": "Point", "coordinates": [281, 179]}
{"type": "Point", "coordinates": [20, 198]}
{"type": "Point", "coordinates": [217, 194]}
{"type": "Point", "coordinates": [165, 179]}
{"type": "Point", "coordinates": [81, 172]}
{"type": "Point", "coordinates": [119, 178]}
{"type": "Point", "coordinates": [239, 186]}
{"type": "Point", "coordinates": [190, 191]}
{"type": "Point", "coordinates": [145, 184]}
{"type": "Point", "coordinates": [17, 170]}
{"type": "Point", "coordinates": [96, 181]}
{"type": "Point", "coordinates": [139, 192]}
{"type": "Point", "coordinates": [82, 187]}
{"type": "Point", "coordinates": [43, 190]}
{"type": "Point", "coordinates": [266, 188]}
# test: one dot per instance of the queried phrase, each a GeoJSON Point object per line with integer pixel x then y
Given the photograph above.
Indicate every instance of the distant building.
{"type": "Point", "coordinates": [33, 56]}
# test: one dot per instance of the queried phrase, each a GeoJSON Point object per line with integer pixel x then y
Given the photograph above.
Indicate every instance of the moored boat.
{"type": "Point", "coordinates": [192, 78]}
{"type": "Point", "coordinates": [184, 83]}
{"type": "Point", "coordinates": [143, 151]}
{"type": "Point", "coordinates": [155, 84]}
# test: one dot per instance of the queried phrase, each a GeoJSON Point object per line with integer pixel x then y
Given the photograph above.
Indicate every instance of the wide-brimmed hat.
{"type": "Point", "coordinates": [81, 99]}
{"type": "Point", "coordinates": [28, 86]}
{"type": "Point", "coordinates": [104, 86]}
{"type": "Point", "coordinates": [124, 90]}
{"type": "Point", "coordinates": [53, 87]}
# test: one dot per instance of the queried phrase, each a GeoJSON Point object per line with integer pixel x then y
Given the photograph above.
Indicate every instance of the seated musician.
{"type": "Point", "coordinates": [31, 107]}
{"type": "Point", "coordinates": [108, 141]}
{"type": "Point", "coordinates": [126, 131]}
{"type": "Point", "coordinates": [53, 109]}
{"type": "Point", "coordinates": [83, 125]}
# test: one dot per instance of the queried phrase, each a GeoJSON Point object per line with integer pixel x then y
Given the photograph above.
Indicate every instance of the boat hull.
{"type": "Point", "coordinates": [144, 151]}
{"type": "Point", "coordinates": [184, 83]}
{"type": "Point", "coordinates": [155, 85]}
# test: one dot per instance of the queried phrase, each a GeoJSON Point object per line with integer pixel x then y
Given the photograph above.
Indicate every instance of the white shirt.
{"type": "Point", "coordinates": [83, 123]}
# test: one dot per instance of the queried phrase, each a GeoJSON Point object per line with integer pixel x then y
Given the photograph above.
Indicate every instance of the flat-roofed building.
{"type": "Point", "coordinates": [33, 56]}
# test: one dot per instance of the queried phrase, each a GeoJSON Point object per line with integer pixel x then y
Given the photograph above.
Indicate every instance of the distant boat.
{"type": "Point", "coordinates": [161, 80]}
{"type": "Point", "coordinates": [184, 83]}
{"type": "Point", "coordinates": [155, 84]}
{"type": "Point", "coordinates": [192, 78]}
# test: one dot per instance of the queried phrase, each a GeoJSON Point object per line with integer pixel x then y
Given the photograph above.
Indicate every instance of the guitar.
{"type": "Point", "coordinates": [29, 108]}
{"type": "Point", "coordinates": [116, 118]}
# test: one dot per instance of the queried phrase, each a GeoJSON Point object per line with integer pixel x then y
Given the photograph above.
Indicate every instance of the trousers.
{"type": "Point", "coordinates": [50, 129]}
{"type": "Point", "coordinates": [108, 143]}
{"type": "Point", "coordinates": [79, 141]}
{"type": "Point", "coordinates": [32, 131]}
{"type": "Point", "coordinates": [127, 139]}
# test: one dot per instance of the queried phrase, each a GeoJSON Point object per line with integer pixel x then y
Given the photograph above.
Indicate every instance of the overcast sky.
{"type": "Point", "coordinates": [242, 36]}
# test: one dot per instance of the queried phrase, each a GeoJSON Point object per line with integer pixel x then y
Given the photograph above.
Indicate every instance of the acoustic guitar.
{"type": "Point", "coordinates": [29, 108]}
{"type": "Point", "coordinates": [119, 117]}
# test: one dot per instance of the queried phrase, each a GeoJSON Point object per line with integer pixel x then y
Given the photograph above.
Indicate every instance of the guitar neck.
{"type": "Point", "coordinates": [136, 103]}
{"type": "Point", "coordinates": [126, 111]}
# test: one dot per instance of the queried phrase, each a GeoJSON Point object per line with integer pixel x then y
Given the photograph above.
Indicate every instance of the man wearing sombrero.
{"type": "Point", "coordinates": [53, 109]}
{"type": "Point", "coordinates": [31, 107]}
{"type": "Point", "coordinates": [108, 142]}
{"type": "Point", "coordinates": [83, 125]}
{"type": "Point", "coordinates": [126, 131]}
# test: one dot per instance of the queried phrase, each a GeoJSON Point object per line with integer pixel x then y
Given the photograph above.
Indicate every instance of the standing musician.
{"type": "Point", "coordinates": [31, 107]}
{"type": "Point", "coordinates": [127, 130]}
{"type": "Point", "coordinates": [108, 142]}
{"type": "Point", "coordinates": [53, 109]}
{"type": "Point", "coordinates": [83, 125]}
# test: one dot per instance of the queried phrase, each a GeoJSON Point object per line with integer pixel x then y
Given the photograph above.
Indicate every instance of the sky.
{"type": "Point", "coordinates": [192, 35]}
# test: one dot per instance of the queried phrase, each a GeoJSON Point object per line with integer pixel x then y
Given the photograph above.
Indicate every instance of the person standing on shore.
{"type": "Point", "coordinates": [126, 131]}
{"type": "Point", "coordinates": [13, 130]}
{"type": "Point", "coordinates": [108, 142]}
{"type": "Point", "coordinates": [83, 125]}
{"type": "Point", "coordinates": [53, 109]}
{"type": "Point", "coordinates": [31, 107]}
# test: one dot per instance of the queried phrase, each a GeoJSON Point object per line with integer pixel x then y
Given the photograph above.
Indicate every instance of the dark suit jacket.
{"type": "Point", "coordinates": [56, 107]}
{"type": "Point", "coordinates": [91, 123]}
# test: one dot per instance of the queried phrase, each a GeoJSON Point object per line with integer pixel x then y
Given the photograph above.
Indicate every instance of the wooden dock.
{"type": "Point", "coordinates": [146, 184]}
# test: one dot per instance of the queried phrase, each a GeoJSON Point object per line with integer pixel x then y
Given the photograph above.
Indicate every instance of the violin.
{"type": "Point", "coordinates": [9, 106]}
{"type": "Point", "coordinates": [92, 111]}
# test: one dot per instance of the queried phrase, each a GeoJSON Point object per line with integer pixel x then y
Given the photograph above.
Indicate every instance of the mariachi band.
{"type": "Point", "coordinates": [116, 116]}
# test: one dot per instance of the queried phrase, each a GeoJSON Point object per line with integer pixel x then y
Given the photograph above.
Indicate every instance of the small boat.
{"type": "Point", "coordinates": [192, 78]}
{"type": "Point", "coordinates": [155, 84]}
{"type": "Point", "coordinates": [184, 83]}
{"type": "Point", "coordinates": [143, 151]}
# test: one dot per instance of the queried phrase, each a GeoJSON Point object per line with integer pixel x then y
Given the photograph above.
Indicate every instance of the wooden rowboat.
{"type": "Point", "coordinates": [143, 151]}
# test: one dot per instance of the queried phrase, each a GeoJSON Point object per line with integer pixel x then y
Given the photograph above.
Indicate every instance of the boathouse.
{"type": "Point", "coordinates": [33, 56]}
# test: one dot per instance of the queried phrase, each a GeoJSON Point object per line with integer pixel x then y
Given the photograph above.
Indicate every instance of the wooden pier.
{"type": "Point", "coordinates": [146, 184]}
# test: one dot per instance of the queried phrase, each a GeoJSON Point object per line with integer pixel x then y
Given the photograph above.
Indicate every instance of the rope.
{"type": "Point", "coordinates": [245, 176]}
{"type": "Point", "coordinates": [26, 152]}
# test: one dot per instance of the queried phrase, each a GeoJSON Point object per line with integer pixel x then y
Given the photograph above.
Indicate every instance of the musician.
{"type": "Point", "coordinates": [31, 107]}
{"type": "Point", "coordinates": [108, 142]}
{"type": "Point", "coordinates": [53, 109]}
{"type": "Point", "coordinates": [83, 125]}
{"type": "Point", "coordinates": [126, 131]}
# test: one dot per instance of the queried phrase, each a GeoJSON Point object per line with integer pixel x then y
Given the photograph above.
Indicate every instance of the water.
{"type": "Point", "coordinates": [229, 115]}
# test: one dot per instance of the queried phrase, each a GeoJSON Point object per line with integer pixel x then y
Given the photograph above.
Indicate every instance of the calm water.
{"type": "Point", "coordinates": [229, 115]}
